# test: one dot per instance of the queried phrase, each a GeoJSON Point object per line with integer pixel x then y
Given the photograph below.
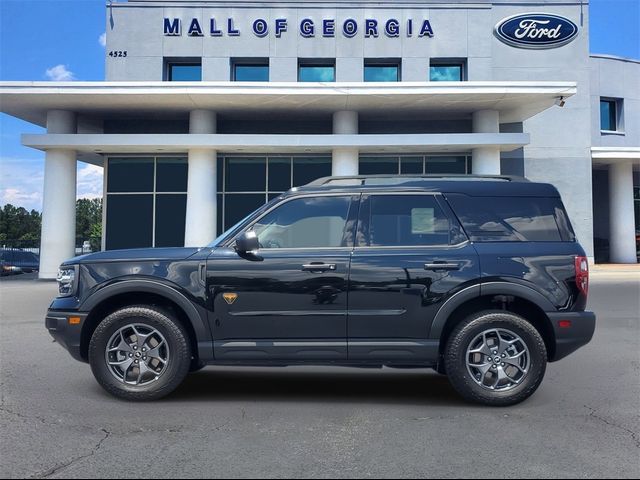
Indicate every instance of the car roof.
{"type": "Point", "coordinates": [475, 185]}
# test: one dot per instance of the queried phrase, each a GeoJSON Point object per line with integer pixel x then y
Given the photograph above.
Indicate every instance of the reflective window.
{"type": "Point", "coordinates": [378, 165]}
{"type": "Point", "coordinates": [250, 73]}
{"type": "Point", "coordinates": [129, 221]}
{"type": "Point", "coordinates": [171, 211]}
{"type": "Point", "coordinates": [184, 72]}
{"type": "Point", "coordinates": [279, 174]}
{"type": "Point", "coordinates": [245, 174]}
{"type": "Point", "coordinates": [308, 169]}
{"type": "Point", "coordinates": [608, 115]}
{"type": "Point", "coordinates": [406, 220]}
{"type": "Point", "coordinates": [239, 205]}
{"type": "Point", "coordinates": [446, 72]}
{"type": "Point", "coordinates": [317, 72]}
{"type": "Point", "coordinates": [304, 223]}
{"type": "Point", "coordinates": [513, 219]}
{"type": "Point", "coordinates": [381, 72]}
{"type": "Point", "coordinates": [411, 165]}
{"type": "Point", "coordinates": [447, 165]}
{"type": "Point", "coordinates": [171, 175]}
{"type": "Point", "coordinates": [130, 174]}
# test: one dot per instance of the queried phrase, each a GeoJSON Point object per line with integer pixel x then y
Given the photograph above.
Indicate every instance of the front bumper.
{"type": "Point", "coordinates": [67, 334]}
{"type": "Point", "coordinates": [569, 339]}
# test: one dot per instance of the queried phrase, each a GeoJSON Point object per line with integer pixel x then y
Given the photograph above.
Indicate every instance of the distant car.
{"type": "Point", "coordinates": [15, 261]}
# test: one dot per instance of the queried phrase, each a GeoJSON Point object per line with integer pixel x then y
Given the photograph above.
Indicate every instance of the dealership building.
{"type": "Point", "coordinates": [211, 108]}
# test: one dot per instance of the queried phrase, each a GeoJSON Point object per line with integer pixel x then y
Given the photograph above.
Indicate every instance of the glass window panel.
{"type": "Point", "coordinates": [239, 205]}
{"type": "Point", "coordinates": [279, 174]}
{"type": "Point", "coordinates": [170, 218]}
{"type": "Point", "coordinates": [308, 169]}
{"type": "Point", "coordinates": [317, 73]}
{"type": "Point", "coordinates": [304, 223]}
{"type": "Point", "coordinates": [129, 221]}
{"type": "Point", "coordinates": [445, 73]}
{"type": "Point", "coordinates": [245, 174]}
{"type": "Point", "coordinates": [452, 164]}
{"type": "Point", "coordinates": [219, 217]}
{"type": "Point", "coordinates": [411, 165]}
{"type": "Point", "coordinates": [491, 219]}
{"type": "Point", "coordinates": [219, 173]}
{"type": "Point", "coordinates": [608, 120]}
{"type": "Point", "coordinates": [183, 72]}
{"type": "Point", "coordinates": [381, 73]}
{"type": "Point", "coordinates": [378, 165]}
{"type": "Point", "coordinates": [171, 175]}
{"type": "Point", "coordinates": [130, 175]}
{"type": "Point", "coordinates": [402, 220]}
{"type": "Point", "coordinates": [251, 73]}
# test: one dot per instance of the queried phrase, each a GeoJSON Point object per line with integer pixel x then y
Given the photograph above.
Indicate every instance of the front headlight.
{"type": "Point", "coordinates": [67, 280]}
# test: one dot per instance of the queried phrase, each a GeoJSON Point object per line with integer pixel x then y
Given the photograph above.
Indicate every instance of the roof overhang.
{"type": "Point", "coordinates": [516, 101]}
{"type": "Point", "coordinates": [611, 155]}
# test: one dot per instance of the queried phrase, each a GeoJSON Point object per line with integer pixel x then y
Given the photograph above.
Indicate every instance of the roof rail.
{"type": "Point", "coordinates": [397, 179]}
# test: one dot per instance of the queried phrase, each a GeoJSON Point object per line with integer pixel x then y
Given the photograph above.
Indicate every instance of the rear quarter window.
{"type": "Point", "coordinates": [512, 219]}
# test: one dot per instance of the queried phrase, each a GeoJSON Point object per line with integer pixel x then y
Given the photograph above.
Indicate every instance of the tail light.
{"type": "Point", "coordinates": [582, 275]}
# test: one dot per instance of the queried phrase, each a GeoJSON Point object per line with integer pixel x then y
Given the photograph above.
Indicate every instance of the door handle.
{"type": "Point", "coordinates": [318, 267]}
{"type": "Point", "coordinates": [442, 266]}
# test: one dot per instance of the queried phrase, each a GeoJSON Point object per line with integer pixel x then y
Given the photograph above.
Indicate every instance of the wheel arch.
{"type": "Point", "coordinates": [146, 292]}
{"type": "Point", "coordinates": [514, 298]}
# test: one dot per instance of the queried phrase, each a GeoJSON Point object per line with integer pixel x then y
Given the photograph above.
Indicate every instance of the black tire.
{"type": "Point", "coordinates": [456, 362]}
{"type": "Point", "coordinates": [175, 336]}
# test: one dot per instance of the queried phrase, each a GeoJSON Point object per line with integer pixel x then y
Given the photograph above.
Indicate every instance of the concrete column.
{"type": "Point", "coordinates": [622, 239]}
{"type": "Point", "coordinates": [58, 231]}
{"type": "Point", "coordinates": [486, 160]}
{"type": "Point", "coordinates": [200, 222]}
{"type": "Point", "coordinates": [344, 159]}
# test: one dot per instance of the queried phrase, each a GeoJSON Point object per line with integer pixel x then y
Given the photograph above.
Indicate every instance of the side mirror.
{"type": "Point", "coordinates": [247, 242]}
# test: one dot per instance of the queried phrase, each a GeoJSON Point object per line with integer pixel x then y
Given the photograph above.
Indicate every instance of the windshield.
{"type": "Point", "coordinates": [231, 231]}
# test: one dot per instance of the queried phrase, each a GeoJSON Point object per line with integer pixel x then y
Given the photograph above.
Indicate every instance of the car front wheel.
{"type": "Point", "coordinates": [495, 358]}
{"type": "Point", "coordinates": [139, 353]}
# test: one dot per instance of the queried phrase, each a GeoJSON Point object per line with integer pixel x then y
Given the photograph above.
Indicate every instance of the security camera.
{"type": "Point", "coordinates": [560, 101]}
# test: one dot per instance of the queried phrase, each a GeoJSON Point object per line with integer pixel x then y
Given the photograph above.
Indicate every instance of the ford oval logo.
{"type": "Point", "coordinates": [536, 30]}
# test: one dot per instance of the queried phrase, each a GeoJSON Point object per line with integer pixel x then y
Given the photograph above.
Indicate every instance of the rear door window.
{"type": "Point", "coordinates": [512, 219]}
{"type": "Point", "coordinates": [404, 220]}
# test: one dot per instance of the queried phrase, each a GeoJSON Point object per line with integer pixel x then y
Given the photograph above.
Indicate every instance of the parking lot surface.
{"type": "Point", "coordinates": [55, 421]}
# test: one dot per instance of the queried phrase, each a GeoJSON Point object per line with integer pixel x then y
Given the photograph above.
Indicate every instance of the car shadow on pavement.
{"type": "Point", "coordinates": [417, 387]}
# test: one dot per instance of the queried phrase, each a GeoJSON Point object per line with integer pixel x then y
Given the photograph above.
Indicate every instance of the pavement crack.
{"type": "Point", "coordinates": [25, 417]}
{"type": "Point", "coordinates": [52, 471]}
{"type": "Point", "coordinates": [634, 435]}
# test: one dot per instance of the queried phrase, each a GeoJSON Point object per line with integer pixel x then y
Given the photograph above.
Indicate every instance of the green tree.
{"type": "Point", "coordinates": [89, 221]}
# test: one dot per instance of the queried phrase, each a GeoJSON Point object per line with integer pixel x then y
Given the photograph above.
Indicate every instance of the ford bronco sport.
{"type": "Point", "coordinates": [480, 278]}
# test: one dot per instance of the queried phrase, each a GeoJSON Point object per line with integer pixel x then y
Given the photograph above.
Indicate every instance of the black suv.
{"type": "Point", "coordinates": [480, 278]}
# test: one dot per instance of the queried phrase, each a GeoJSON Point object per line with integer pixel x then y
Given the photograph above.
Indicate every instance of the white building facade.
{"type": "Point", "coordinates": [212, 108]}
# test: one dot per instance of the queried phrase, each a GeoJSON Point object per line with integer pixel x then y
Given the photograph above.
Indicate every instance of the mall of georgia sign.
{"type": "Point", "coordinates": [536, 31]}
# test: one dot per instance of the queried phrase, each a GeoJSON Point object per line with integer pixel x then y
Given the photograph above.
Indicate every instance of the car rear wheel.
{"type": "Point", "coordinates": [139, 353]}
{"type": "Point", "coordinates": [495, 358]}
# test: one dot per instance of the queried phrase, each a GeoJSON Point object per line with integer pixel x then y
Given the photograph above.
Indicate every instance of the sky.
{"type": "Point", "coordinates": [63, 40]}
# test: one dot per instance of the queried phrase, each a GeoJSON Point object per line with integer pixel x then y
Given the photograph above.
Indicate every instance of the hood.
{"type": "Point", "coordinates": [149, 254]}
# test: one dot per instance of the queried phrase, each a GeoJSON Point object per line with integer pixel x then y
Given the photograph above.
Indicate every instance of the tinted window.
{"type": "Point", "coordinates": [185, 72]}
{"type": "Point", "coordinates": [130, 175]}
{"type": "Point", "coordinates": [239, 205]}
{"type": "Point", "coordinates": [246, 174]}
{"type": "Point", "coordinates": [171, 175]}
{"type": "Point", "coordinates": [381, 73]}
{"type": "Point", "coordinates": [500, 219]}
{"type": "Point", "coordinates": [608, 115]}
{"type": "Point", "coordinates": [308, 169]}
{"type": "Point", "coordinates": [406, 220]}
{"type": "Point", "coordinates": [446, 73]}
{"type": "Point", "coordinates": [317, 73]}
{"type": "Point", "coordinates": [129, 221]}
{"type": "Point", "coordinates": [446, 164]}
{"type": "Point", "coordinates": [378, 165]}
{"type": "Point", "coordinates": [304, 223]}
{"type": "Point", "coordinates": [251, 73]}
{"type": "Point", "coordinates": [170, 214]}
{"type": "Point", "coordinates": [279, 174]}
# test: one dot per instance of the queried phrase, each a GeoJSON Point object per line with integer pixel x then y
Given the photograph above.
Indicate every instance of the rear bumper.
{"type": "Point", "coordinates": [568, 340]}
{"type": "Point", "coordinates": [66, 334]}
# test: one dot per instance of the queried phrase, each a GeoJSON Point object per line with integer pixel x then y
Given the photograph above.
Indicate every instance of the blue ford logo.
{"type": "Point", "coordinates": [536, 31]}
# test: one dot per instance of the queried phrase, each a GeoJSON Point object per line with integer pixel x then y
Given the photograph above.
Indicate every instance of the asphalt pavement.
{"type": "Point", "coordinates": [55, 421]}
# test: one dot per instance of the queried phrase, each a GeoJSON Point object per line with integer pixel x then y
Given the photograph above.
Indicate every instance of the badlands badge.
{"type": "Point", "coordinates": [230, 297]}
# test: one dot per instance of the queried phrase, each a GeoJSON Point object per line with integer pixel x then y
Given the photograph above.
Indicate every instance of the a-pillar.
{"type": "Point", "coordinates": [345, 159]}
{"type": "Point", "coordinates": [58, 231]}
{"type": "Point", "coordinates": [200, 223]}
{"type": "Point", "coordinates": [486, 160]}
